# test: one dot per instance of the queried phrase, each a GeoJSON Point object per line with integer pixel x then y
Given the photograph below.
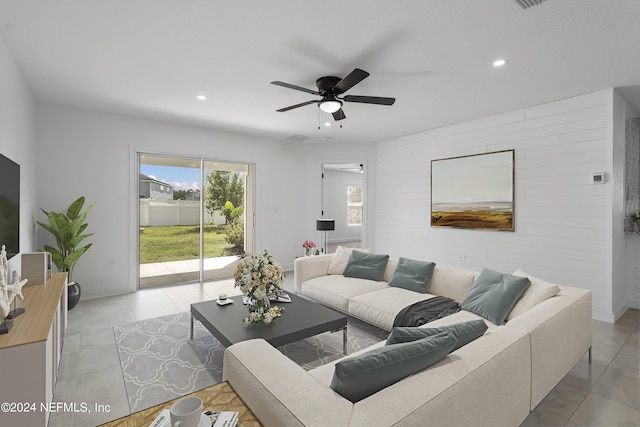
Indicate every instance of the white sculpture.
{"type": "Point", "coordinates": [8, 291]}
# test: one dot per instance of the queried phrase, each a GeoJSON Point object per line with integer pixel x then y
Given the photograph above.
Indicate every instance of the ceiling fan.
{"type": "Point", "coordinates": [330, 88]}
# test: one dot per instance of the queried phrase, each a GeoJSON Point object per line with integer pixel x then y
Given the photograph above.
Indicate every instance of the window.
{"type": "Point", "coordinates": [354, 205]}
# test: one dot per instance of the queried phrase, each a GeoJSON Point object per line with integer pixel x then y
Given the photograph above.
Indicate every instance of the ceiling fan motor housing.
{"type": "Point", "coordinates": [326, 84]}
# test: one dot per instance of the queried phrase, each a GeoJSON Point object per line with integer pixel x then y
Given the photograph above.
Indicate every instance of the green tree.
{"type": "Point", "coordinates": [234, 235]}
{"type": "Point", "coordinates": [222, 187]}
{"type": "Point", "coordinates": [232, 213]}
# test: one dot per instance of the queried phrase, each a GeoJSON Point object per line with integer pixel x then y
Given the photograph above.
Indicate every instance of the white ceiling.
{"type": "Point", "coordinates": [150, 58]}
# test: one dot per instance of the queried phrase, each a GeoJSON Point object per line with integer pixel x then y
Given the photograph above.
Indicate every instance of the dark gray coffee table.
{"type": "Point", "coordinates": [301, 319]}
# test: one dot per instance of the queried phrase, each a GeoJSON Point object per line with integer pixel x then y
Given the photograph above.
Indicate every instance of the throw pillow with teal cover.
{"type": "Point", "coordinates": [494, 294]}
{"type": "Point", "coordinates": [366, 266]}
{"type": "Point", "coordinates": [412, 275]}
{"type": "Point", "coordinates": [464, 332]}
{"type": "Point", "coordinates": [361, 376]}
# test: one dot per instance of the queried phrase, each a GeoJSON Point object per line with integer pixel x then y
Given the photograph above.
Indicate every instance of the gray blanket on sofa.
{"type": "Point", "coordinates": [421, 312]}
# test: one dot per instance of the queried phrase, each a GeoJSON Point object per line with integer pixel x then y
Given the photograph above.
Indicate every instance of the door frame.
{"type": "Point", "coordinates": [134, 208]}
{"type": "Point", "coordinates": [365, 204]}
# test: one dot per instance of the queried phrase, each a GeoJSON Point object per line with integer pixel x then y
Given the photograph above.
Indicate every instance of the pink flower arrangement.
{"type": "Point", "coordinates": [308, 244]}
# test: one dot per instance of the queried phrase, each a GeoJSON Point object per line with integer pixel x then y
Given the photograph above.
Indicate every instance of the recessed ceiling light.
{"type": "Point", "coordinates": [499, 62]}
{"type": "Point", "coordinates": [201, 97]}
{"type": "Point", "coordinates": [327, 124]}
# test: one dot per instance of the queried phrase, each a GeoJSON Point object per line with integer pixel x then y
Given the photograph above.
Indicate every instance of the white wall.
{"type": "Point", "coordinates": [17, 142]}
{"type": "Point", "coordinates": [563, 223]}
{"type": "Point", "coordinates": [88, 153]}
{"type": "Point", "coordinates": [335, 204]}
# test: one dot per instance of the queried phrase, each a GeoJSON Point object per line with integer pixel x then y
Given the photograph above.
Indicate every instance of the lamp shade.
{"type": "Point", "coordinates": [325, 224]}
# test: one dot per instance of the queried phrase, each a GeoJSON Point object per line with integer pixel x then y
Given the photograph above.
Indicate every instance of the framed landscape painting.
{"type": "Point", "coordinates": [473, 192]}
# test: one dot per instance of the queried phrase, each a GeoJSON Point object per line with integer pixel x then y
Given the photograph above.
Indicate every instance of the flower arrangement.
{"type": "Point", "coordinates": [257, 276]}
{"type": "Point", "coordinates": [308, 245]}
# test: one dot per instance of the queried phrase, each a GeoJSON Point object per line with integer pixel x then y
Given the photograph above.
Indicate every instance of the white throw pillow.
{"type": "Point", "coordinates": [538, 292]}
{"type": "Point", "coordinates": [340, 258]}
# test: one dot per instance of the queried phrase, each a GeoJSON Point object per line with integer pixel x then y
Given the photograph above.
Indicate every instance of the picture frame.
{"type": "Point", "coordinates": [474, 191]}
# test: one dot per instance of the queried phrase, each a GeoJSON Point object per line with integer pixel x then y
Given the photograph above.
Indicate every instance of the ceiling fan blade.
{"type": "Point", "coordinates": [296, 106]}
{"type": "Point", "coordinates": [290, 86]}
{"type": "Point", "coordinates": [355, 77]}
{"type": "Point", "coordinates": [339, 115]}
{"type": "Point", "coordinates": [369, 99]}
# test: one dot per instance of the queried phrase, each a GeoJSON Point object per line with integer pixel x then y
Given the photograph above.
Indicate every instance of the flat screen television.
{"type": "Point", "coordinates": [9, 206]}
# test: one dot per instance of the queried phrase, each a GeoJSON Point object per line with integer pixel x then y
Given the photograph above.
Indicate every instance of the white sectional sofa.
{"type": "Point", "coordinates": [492, 381]}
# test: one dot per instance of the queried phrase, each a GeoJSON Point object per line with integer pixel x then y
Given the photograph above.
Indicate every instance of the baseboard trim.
{"type": "Point", "coordinates": [101, 293]}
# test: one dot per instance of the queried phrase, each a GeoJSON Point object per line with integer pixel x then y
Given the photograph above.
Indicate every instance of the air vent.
{"type": "Point", "coordinates": [297, 138]}
{"type": "Point", "coordinates": [526, 4]}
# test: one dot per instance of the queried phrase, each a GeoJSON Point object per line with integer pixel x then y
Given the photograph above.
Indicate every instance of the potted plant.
{"type": "Point", "coordinates": [67, 228]}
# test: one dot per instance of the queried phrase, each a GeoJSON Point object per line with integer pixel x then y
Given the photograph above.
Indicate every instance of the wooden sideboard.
{"type": "Point", "coordinates": [30, 354]}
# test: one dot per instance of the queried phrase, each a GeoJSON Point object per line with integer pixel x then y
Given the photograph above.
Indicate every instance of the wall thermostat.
{"type": "Point", "coordinates": [598, 178]}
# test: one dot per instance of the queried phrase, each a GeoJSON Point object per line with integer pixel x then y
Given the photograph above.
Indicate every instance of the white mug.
{"type": "Point", "coordinates": [186, 412]}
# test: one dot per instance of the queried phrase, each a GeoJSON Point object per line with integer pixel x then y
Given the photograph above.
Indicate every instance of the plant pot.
{"type": "Point", "coordinates": [73, 294]}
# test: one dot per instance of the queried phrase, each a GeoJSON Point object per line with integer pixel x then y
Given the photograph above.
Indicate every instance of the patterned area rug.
{"type": "Point", "coordinates": [160, 362]}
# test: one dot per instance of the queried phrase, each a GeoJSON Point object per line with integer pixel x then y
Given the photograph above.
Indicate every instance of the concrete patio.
{"type": "Point", "coordinates": [175, 272]}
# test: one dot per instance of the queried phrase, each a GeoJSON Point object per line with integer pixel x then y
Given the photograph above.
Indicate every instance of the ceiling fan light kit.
{"type": "Point", "coordinates": [330, 106]}
{"type": "Point", "coordinates": [329, 88]}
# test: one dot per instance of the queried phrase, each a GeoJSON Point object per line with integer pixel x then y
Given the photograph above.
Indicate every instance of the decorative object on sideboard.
{"type": "Point", "coordinates": [8, 292]}
{"type": "Point", "coordinates": [68, 229]}
{"type": "Point", "coordinates": [17, 311]}
{"type": "Point", "coordinates": [36, 267]}
{"type": "Point", "coordinates": [308, 246]}
{"type": "Point", "coordinates": [257, 276]}
{"type": "Point", "coordinates": [324, 225]}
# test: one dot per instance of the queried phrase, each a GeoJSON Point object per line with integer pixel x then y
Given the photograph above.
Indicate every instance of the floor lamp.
{"type": "Point", "coordinates": [325, 225]}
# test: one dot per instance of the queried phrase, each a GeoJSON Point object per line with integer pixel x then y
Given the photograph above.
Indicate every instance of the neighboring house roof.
{"type": "Point", "coordinates": [147, 178]}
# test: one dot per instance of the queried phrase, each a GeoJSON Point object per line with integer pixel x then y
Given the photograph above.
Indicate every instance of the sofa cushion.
{"type": "Point", "coordinates": [464, 333]}
{"type": "Point", "coordinates": [381, 307]}
{"type": "Point", "coordinates": [336, 291]}
{"type": "Point", "coordinates": [358, 377]}
{"type": "Point", "coordinates": [453, 283]}
{"type": "Point", "coordinates": [538, 292]}
{"type": "Point", "coordinates": [494, 294]}
{"type": "Point", "coordinates": [412, 275]}
{"type": "Point", "coordinates": [340, 258]}
{"type": "Point", "coordinates": [366, 266]}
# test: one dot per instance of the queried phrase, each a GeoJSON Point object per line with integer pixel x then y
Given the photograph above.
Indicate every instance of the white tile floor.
{"type": "Point", "coordinates": [605, 393]}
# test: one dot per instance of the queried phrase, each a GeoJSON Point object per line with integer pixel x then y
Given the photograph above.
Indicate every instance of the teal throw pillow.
{"type": "Point", "coordinates": [494, 294]}
{"type": "Point", "coordinates": [412, 275]}
{"type": "Point", "coordinates": [366, 266]}
{"type": "Point", "coordinates": [361, 376]}
{"type": "Point", "coordinates": [464, 332]}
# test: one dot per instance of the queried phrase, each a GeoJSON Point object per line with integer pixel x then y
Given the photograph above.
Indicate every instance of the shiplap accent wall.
{"type": "Point", "coordinates": [562, 221]}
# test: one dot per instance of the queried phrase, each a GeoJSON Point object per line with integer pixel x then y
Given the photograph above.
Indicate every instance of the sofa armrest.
{"type": "Point", "coordinates": [278, 391]}
{"type": "Point", "coordinates": [308, 267]}
{"type": "Point", "coordinates": [560, 333]}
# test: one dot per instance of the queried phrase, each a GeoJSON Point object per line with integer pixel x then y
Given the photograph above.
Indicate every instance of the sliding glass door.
{"type": "Point", "coordinates": [192, 217]}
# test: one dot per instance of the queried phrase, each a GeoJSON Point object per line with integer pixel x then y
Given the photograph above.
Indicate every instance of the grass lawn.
{"type": "Point", "coordinates": [180, 242]}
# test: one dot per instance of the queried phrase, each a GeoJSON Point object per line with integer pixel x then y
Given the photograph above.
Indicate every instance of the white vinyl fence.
{"type": "Point", "coordinates": [173, 212]}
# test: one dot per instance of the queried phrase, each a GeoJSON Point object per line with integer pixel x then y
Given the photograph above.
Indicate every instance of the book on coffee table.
{"type": "Point", "coordinates": [217, 419]}
{"type": "Point", "coordinates": [162, 420]}
{"type": "Point", "coordinates": [279, 298]}
{"type": "Point", "coordinates": [222, 418]}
